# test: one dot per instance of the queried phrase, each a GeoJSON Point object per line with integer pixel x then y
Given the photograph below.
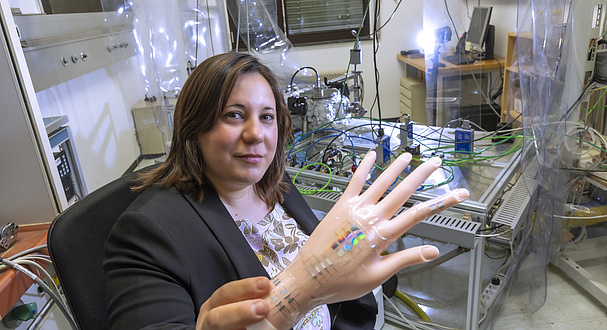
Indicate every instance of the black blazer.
{"type": "Point", "coordinates": [168, 253]}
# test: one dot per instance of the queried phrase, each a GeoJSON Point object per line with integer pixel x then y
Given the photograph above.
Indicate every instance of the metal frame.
{"type": "Point", "coordinates": [479, 210]}
{"type": "Point", "coordinates": [567, 260]}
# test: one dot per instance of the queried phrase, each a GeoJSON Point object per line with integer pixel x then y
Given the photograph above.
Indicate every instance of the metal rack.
{"type": "Point", "coordinates": [460, 223]}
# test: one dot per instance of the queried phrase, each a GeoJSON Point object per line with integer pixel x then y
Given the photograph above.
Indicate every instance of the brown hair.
{"type": "Point", "coordinates": [200, 102]}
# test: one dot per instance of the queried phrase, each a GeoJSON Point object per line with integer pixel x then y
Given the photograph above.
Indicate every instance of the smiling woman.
{"type": "Point", "coordinates": [240, 147]}
{"type": "Point", "coordinates": [215, 94]}
{"type": "Point", "coordinates": [220, 217]}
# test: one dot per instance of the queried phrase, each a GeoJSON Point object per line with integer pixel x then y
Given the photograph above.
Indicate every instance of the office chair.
{"type": "Point", "coordinates": [76, 240]}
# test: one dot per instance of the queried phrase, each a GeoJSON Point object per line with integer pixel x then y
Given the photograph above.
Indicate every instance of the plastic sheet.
{"type": "Point", "coordinates": [171, 38]}
{"type": "Point", "coordinates": [451, 96]}
{"type": "Point", "coordinates": [550, 77]}
{"type": "Point", "coordinates": [263, 38]}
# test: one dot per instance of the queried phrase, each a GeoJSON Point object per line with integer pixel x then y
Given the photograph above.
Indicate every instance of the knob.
{"type": "Point", "coordinates": [64, 61]}
{"type": "Point", "coordinates": [74, 58]}
{"type": "Point", "coordinates": [83, 56]}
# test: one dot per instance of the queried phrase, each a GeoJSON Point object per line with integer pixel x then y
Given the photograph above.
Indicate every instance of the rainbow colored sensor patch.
{"type": "Point", "coordinates": [348, 240]}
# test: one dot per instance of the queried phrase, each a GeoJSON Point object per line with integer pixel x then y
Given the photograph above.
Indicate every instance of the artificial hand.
{"type": "Point", "coordinates": [341, 260]}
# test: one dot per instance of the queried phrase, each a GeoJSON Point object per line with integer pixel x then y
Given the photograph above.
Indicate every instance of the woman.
{"type": "Point", "coordinates": [217, 218]}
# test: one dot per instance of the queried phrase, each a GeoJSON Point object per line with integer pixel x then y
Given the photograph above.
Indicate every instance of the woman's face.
{"type": "Point", "coordinates": [239, 148]}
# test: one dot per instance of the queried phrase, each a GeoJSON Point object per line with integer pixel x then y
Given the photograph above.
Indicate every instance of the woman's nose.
{"type": "Point", "coordinates": [253, 131]}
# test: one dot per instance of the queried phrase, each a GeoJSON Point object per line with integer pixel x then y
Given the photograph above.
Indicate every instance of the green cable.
{"type": "Point", "coordinates": [356, 41]}
{"type": "Point", "coordinates": [447, 180]}
{"type": "Point", "coordinates": [314, 191]}
{"type": "Point", "coordinates": [595, 104]}
{"type": "Point", "coordinates": [587, 142]}
{"type": "Point", "coordinates": [470, 159]}
{"type": "Point", "coordinates": [344, 157]}
{"type": "Point", "coordinates": [601, 107]}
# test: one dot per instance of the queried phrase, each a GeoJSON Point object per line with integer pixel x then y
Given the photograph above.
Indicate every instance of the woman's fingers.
{"type": "Point", "coordinates": [236, 315]}
{"type": "Point", "coordinates": [236, 304]}
{"type": "Point", "coordinates": [387, 178]}
{"type": "Point", "coordinates": [359, 177]}
{"type": "Point", "coordinates": [399, 195]}
{"type": "Point", "coordinates": [406, 220]}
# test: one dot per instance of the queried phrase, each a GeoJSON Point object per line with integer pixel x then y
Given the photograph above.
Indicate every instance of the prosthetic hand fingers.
{"type": "Point", "coordinates": [394, 262]}
{"type": "Point", "coordinates": [426, 209]}
{"type": "Point", "coordinates": [387, 178]}
{"type": "Point", "coordinates": [406, 220]}
{"type": "Point", "coordinates": [359, 177]}
{"type": "Point", "coordinates": [395, 199]}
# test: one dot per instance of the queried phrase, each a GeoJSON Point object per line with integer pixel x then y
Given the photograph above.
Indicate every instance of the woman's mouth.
{"type": "Point", "coordinates": [251, 158]}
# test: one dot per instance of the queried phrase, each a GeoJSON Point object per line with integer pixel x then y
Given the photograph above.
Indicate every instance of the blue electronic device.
{"type": "Point", "coordinates": [385, 150]}
{"type": "Point", "coordinates": [464, 141]}
{"type": "Point", "coordinates": [410, 131]}
{"type": "Point", "coordinates": [406, 132]}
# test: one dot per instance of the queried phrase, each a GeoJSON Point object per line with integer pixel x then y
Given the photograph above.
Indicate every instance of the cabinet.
{"type": "Point", "coordinates": [148, 135]}
{"type": "Point", "coordinates": [31, 186]}
{"type": "Point", "coordinates": [413, 98]}
{"type": "Point", "coordinates": [511, 97]}
{"type": "Point", "coordinates": [55, 66]}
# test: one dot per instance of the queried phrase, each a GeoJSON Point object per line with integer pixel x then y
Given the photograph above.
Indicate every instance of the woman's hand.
{"type": "Point", "coordinates": [341, 260]}
{"type": "Point", "coordinates": [235, 305]}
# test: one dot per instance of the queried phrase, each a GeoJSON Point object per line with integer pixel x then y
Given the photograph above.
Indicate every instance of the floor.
{"type": "Point", "coordinates": [442, 293]}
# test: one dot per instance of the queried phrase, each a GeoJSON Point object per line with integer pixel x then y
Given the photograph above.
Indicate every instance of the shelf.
{"type": "Point", "coordinates": [13, 284]}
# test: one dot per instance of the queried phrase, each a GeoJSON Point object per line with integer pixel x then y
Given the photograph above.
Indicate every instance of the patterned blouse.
{"type": "Point", "coordinates": [276, 240]}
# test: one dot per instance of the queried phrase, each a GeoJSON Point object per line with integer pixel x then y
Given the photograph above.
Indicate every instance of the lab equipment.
{"type": "Point", "coordinates": [8, 234]}
{"type": "Point", "coordinates": [479, 30]}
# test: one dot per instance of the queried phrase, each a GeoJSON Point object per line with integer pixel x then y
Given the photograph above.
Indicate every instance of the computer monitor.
{"type": "Point", "coordinates": [479, 24]}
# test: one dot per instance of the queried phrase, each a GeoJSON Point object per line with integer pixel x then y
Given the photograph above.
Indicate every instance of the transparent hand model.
{"type": "Point", "coordinates": [341, 260]}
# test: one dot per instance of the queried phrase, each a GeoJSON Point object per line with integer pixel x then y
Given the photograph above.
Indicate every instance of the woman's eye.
{"type": "Point", "coordinates": [267, 117]}
{"type": "Point", "coordinates": [235, 115]}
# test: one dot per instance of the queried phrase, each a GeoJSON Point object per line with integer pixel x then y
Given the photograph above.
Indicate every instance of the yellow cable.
{"type": "Point", "coordinates": [414, 306]}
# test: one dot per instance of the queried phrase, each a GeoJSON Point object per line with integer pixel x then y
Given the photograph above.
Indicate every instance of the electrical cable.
{"type": "Point", "coordinates": [313, 191]}
{"type": "Point", "coordinates": [491, 228]}
{"type": "Point", "coordinates": [391, 15]}
{"type": "Point", "coordinates": [451, 19]}
{"type": "Point", "coordinates": [48, 290]}
{"type": "Point", "coordinates": [446, 163]}
{"type": "Point", "coordinates": [579, 99]}
{"type": "Point", "coordinates": [580, 217]}
{"type": "Point", "coordinates": [238, 29]}
{"type": "Point", "coordinates": [469, 67]}
{"type": "Point", "coordinates": [297, 71]}
{"type": "Point", "coordinates": [41, 269]}
{"type": "Point", "coordinates": [318, 130]}
{"type": "Point", "coordinates": [414, 306]}
{"type": "Point", "coordinates": [400, 313]}
{"type": "Point", "coordinates": [28, 251]}
{"type": "Point", "coordinates": [356, 43]}
{"type": "Point", "coordinates": [197, 31]}
{"type": "Point", "coordinates": [492, 235]}
{"type": "Point", "coordinates": [210, 32]}
{"type": "Point", "coordinates": [375, 50]}
{"type": "Point", "coordinates": [358, 126]}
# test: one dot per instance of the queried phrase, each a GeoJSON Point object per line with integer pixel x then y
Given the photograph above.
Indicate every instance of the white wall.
{"type": "Point", "coordinates": [100, 119]}
{"type": "Point", "coordinates": [401, 34]}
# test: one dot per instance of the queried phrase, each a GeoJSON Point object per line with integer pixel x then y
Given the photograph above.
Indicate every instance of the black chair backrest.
{"type": "Point", "coordinates": [76, 241]}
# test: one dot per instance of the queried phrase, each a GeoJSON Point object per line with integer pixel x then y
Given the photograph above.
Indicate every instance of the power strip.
{"type": "Point", "coordinates": [491, 291]}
